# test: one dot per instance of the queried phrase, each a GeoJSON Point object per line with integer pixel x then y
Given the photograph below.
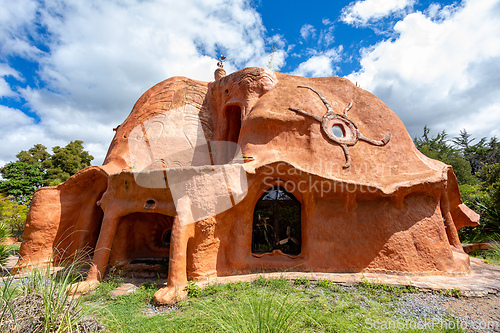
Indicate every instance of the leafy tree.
{"type": "Point", "coordinates": [37, 155]}
{"type": "Point", "coordinates": [20, 180]}
{"type": "Point", "coordinates": [479, 154]}
{"type": "Point", "coordinates": [36, 167]}
{"type": "Point", "coordinates": [66, 161]}
{"type": "Point", "coordinates": [440, 149]}
{"type": "Point", "coordinates": [490, 173]}
{"type": "Point", "coordinates": [13, 214]}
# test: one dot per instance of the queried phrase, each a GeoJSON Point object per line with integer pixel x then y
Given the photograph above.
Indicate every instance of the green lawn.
{"type": "Point", "coordinates": [264, 305]}
{"type": "Point", "coordinates": [273, 305]}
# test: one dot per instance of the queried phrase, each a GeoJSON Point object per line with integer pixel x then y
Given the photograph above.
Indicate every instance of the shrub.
{"type": "Point", "coordinates": [13, 214]}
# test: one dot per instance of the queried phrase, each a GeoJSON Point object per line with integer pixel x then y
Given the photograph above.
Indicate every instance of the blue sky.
{"type": "Point", "coordinates": [72, 69]}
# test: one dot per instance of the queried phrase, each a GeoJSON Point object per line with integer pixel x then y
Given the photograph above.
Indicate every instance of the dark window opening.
{"type": "Point", "coordinates": [276, 222]}
{"type": "Point", "coordinates": [222, 150]}
{"type": "Point", "coordinates": [233, 121]}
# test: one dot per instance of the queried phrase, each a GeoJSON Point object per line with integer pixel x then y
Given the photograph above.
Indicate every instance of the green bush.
{"type": "Point", "coordinates": [481, 199]}
{"type": "Point", "coordinates": [13, 214]}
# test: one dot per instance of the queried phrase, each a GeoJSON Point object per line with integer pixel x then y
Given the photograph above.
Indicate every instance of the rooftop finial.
{"type": "Point", "coordinates": [220, 72]}
{"type": "Point", "coordinates": [221, 59]}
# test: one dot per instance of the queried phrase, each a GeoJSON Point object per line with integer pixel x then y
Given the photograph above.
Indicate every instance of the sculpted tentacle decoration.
{"type": "Point", "coordinates": [339, 128]}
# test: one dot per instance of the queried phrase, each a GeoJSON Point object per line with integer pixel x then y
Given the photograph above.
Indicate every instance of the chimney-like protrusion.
{"type": "Point", "coordinates": [219, 73]}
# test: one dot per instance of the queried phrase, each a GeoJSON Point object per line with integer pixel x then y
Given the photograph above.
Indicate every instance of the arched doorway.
{"type": "Point", "coordinates": [277, 223]}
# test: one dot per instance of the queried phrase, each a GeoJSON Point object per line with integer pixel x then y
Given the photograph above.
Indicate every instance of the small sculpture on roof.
{"type": "Point", "coordinates": [220, 72]}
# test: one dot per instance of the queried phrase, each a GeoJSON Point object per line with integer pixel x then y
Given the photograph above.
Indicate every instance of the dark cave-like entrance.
{"type": "Point", "coordinates": [144, 239]}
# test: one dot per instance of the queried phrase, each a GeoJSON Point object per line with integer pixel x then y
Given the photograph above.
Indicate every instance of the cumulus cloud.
{"type": "Point", "coordinates": [96, 57]}
{"type": "Point", "coordinates": [307, 31]}
{"type": "Point", "coordinates": [441, 70]}
{"type": "Point", "coordinates": [365, 11]}
{"type": "Point", "coordinates": [319, 64]}
{"type": "Point", "coordinates": [275, 59]}
{"type": "Point", "coordinates": [326, 36]}
{"type": "Point", "coordinates": [16, 28]}
{"type": "Point", "coordinates": [18, 130]}
{"type": "Point", "coordinates": [5, 89]}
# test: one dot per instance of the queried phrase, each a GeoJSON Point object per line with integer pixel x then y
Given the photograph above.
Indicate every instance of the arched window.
{"type": "Point", "coordinates": [276, 222]}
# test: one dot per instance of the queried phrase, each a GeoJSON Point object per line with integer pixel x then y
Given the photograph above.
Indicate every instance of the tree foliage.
{"type": "Point", "coordinates": [37, 155]}
{"type": "Point", "coordinates": [439, 148]}
{"type": "Point", "coordinates": [21, 180]}
{"type": "Point", "coordinates": [36, 167]}
{"type": "Point", "coordinates": [12, 214]}
{"type": "Point", "coordinates": [476, 164]}
{"type": "Point", "coordinates": [66, 161]}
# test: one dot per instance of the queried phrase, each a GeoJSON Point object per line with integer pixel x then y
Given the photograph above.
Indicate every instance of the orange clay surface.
{"type": "Point", "coordinates": [172, 186]}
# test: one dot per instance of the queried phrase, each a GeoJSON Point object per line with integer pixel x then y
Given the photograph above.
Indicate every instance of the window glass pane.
{"type": "Point", "coordinates": [277, 223]}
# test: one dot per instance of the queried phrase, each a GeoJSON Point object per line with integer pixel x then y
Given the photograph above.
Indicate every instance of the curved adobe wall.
{"type": "Point", "coordinates": [175, 158]}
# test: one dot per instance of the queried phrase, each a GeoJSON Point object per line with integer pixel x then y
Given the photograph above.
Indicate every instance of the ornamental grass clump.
{"type": "Point", "coordinates": [255, 314]}
{"type": "Point", "coordinates": [37, 301]}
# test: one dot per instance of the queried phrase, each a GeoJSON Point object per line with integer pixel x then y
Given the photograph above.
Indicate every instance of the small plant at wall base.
{"type": "Point", "coordinates": [193, 289]}
{"type": "Point", "coordinates": [302, 281]}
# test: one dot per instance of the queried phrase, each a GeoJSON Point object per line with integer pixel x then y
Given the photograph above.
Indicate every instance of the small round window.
{"type": "Point", "coordinates": [338, 131]}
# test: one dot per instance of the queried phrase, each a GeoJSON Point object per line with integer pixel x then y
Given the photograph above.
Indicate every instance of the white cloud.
{"type": "Point", "coordinates": [326, 21]}
{"type": "Point", "coordinates": [319, 64]}
{"type": "Point", "coordinates": [442, 70]}
{"type": "Point", "coordinates": [364, 11]}
{"type": "Point", "coordinates": [326, 37]}
{"type": "Point", "coordinates": [99, 56]}
{"type": "Point", "coordinates": [274, 60]}
{"type": "Point", "coordinates": [5, 89]}
{"type": "Point", "coordinates": [19, 132]}
{"type": "Point", "coordinates": [307, 31]}
{"type": "Point", "coordinates": [277, 41]}
{"type": "Point", "coordinates": [15, 28]}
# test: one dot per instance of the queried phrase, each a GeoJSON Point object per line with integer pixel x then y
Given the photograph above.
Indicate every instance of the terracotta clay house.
{"type": "Point", "coordinates": [256, 171]}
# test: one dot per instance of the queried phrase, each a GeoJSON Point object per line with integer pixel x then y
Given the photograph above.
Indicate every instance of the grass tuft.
{"type": "Point", "coordinates": [255, 314]}
{"type": "Point", "coordinates": [302, 281]}
{"type": "Point", "coordinates": [39, 302]}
